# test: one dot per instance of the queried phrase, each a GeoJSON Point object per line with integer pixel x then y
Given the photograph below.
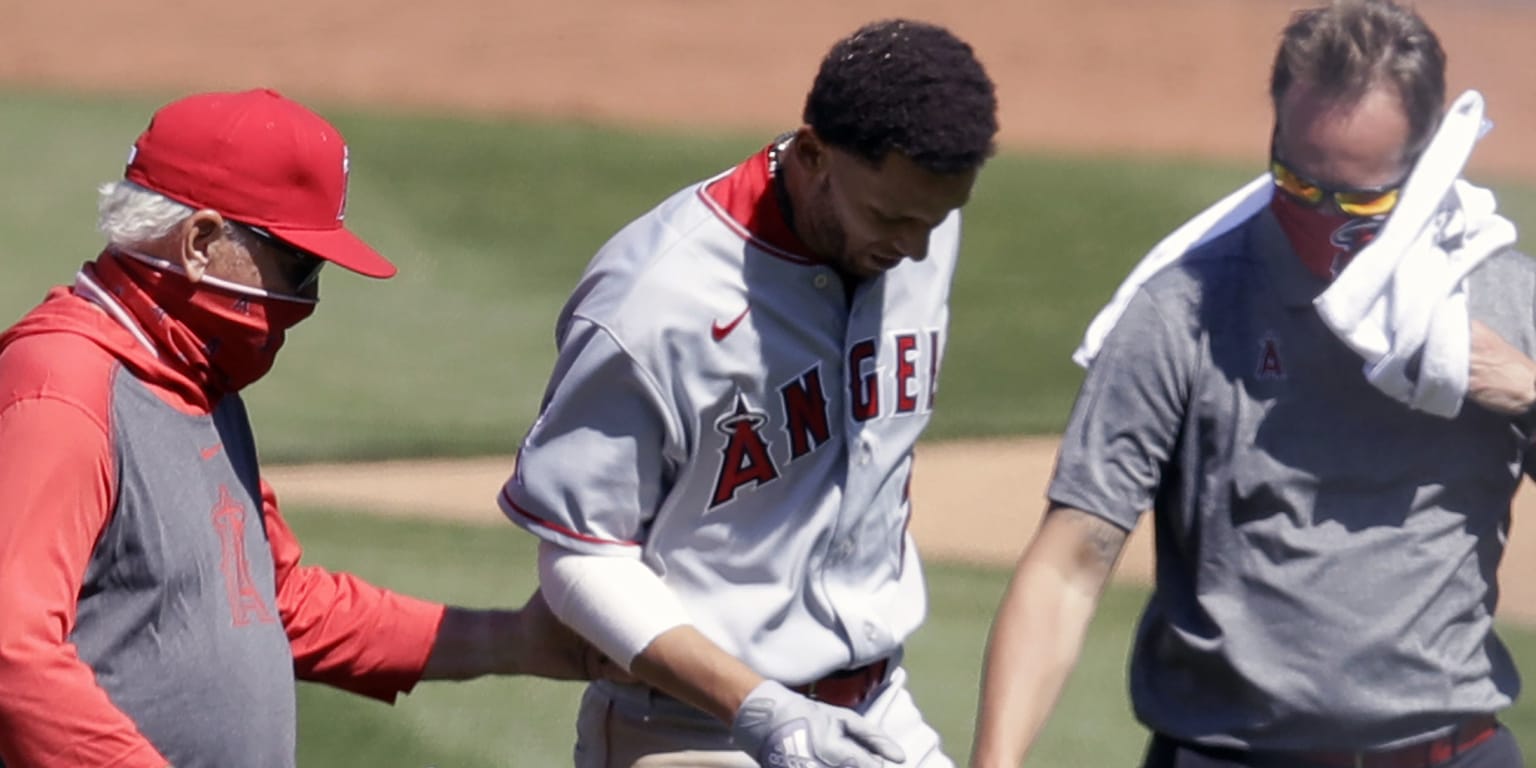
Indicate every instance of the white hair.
{"type": "Point", "coordinates": [132, 216]}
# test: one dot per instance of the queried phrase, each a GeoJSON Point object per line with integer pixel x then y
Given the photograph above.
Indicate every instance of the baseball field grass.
{"type": "Point", "coordinates": [525, 722]}
{"type": "Point", "coordinates": [491, 222]}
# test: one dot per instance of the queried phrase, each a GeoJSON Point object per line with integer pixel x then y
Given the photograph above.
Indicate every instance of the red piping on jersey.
{"type": "Point", "coordinates": [560, 529]}
{"type": "Point", "coordinates": [744, 200]}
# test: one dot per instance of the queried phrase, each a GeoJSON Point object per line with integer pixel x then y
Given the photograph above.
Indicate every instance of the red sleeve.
{"type": "Point", "coordinates": [344, 631]}
{"type": "Point", "coordinates": [56, 486]}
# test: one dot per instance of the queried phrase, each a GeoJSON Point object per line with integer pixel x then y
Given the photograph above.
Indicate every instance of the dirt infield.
{"type": "Point", "coordinates": [976, 501]}
{"type": "Point", "coordinates": [1184, 77]}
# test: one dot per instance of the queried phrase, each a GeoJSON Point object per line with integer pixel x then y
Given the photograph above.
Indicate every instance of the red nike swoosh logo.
{"type": "Point", "coordinates": [211, 452]}
{"type": "Point", "coordinates": [719, 331]}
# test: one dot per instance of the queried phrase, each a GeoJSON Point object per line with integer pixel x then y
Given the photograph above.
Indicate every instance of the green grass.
{"type": "Point", "coordinates": [491, 223]}
{"type": "Point", "coordinates": [524, 722]}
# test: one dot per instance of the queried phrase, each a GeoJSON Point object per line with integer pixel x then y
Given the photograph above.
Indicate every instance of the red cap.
{"type": "Point", "coordinates": [257, 158]}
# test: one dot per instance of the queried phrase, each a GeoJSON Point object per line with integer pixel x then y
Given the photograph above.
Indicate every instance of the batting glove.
{"type": "Point", "coordinates": [782, 729]}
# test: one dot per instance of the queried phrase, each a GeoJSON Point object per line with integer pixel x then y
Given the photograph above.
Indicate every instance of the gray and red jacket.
{"type": "Point", "coordinates": [153, 608]}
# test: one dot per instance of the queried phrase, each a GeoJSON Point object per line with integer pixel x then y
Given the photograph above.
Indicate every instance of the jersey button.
{"type": "Point", "coordinates": [820, 280]}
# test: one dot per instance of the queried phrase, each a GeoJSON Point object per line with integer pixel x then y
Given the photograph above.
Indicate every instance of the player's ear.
{"type": "Point", "coordinates": [809, 150]}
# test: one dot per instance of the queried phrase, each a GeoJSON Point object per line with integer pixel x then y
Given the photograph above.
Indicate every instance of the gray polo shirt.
{"type": "Point", "coordinates": [1326, 557]}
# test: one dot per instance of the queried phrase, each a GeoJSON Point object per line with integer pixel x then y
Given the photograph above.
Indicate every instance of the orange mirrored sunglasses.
{"type": "Point", "coordinates": [1375, 201]}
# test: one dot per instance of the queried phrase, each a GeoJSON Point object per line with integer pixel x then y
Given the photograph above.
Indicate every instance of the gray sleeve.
{"type": "Point", "coordinates": [1127, 417]}
{"type": "Point", "coordinates": [592, 470]}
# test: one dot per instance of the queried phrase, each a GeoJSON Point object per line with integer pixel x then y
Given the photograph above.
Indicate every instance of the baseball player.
{"type": "Point", "coordinates": [1327, 536]}
{"type": "Point", "coordinates": [720, 470]}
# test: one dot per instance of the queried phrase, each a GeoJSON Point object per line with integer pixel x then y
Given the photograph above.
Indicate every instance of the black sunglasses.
{"type": "Point", "coordinates": [306, 266]}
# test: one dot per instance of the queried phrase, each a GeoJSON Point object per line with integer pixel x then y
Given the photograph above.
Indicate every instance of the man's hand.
{"type": "Point", "coordinates": [1500, 377]}
{"type": "Point", "coordinates": [529, 641]}
{"type": "Point", "coordinates": [782, 729]}
{"type": "Point", "coordinates": [551, 649]}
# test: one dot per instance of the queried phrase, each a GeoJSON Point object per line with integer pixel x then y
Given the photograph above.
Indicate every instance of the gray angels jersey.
{"type": "Point", "coordinates": [723, 410]}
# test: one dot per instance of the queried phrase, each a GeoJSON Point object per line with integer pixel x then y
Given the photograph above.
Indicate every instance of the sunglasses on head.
{"type": "Point", "coordinates": [306, 266]}
{"type": "Point", "coordinates": [1351, 201]}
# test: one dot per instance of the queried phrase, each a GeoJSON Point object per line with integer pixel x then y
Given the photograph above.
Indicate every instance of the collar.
{"type": "Point", "coordinates": [745, 199]}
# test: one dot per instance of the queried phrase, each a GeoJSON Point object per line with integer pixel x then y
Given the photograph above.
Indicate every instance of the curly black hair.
{"type": "Point", "coordinates": [906, 86]}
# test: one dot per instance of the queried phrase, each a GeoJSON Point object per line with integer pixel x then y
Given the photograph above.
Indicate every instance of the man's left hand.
{"type": "Point", "coordinates": [551, 649]}
{"type": "Point", "coordinates": [1500, 377]}
{"type": "Point", "coordinates": [529, 641]}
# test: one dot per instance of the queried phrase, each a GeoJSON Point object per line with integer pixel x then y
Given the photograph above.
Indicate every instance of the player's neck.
{"type": "Point", "coordinates": [787, 178]}
{"type": "Point", "coordinates": [780, 168]}
{"type": "Point", "coordinates": [778, 177]}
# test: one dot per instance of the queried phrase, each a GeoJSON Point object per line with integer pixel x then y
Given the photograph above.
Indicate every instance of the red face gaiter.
{"type": "Point", "coordinates": [1324, 240]}
{"type": "Point", "coordinates": [223, 337]}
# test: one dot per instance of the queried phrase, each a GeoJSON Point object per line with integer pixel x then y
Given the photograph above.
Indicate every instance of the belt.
{"type": "Point", "coordinates": [846, 687]}
{"type": "Point", "coordinates": [1424, 754]}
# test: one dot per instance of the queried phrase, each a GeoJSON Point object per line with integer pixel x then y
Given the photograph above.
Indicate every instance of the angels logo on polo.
{"type": "Point", "coordinates": [1270, 367]}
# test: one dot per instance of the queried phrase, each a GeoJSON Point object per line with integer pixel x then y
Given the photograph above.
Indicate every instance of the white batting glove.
{"type": "Point", "coordinates": [782, 729]}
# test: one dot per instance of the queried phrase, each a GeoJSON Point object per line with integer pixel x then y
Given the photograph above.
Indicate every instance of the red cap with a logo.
{"type": "Point", "coordinates": [261, 159]}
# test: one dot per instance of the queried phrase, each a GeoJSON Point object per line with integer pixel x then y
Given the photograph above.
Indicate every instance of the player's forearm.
{"type": "Point", "coordinates": [1039, 630]}
{"type": "Point", "coordinates": [1035, 642]}
{"type": "Point", "coordinates": [688, 665]}
{"type": "Point", "coordinates": [624, 609]}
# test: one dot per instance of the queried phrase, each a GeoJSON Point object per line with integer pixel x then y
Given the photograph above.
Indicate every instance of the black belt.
{"type": "Point", "coordinates": [1423, 754]}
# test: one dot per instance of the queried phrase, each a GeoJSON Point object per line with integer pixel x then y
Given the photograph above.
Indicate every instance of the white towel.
{"type": "Point", "coordinates": [1404, 297]}
{"type": "Point", "coordinates": [1385, 306]}
{"type": "Point", "coordinates": [1207, 225]}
